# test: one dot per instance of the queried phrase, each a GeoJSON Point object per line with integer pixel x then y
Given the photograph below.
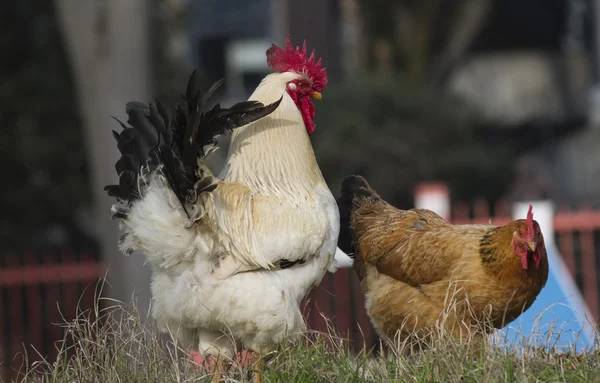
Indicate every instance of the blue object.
{"type": "Point", "coordinates": [558, 320]}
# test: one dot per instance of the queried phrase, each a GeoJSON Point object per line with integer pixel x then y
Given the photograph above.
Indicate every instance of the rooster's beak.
{"type": "Point", "coordinates": [532, 245]}
{"type": "Point", "coordinates": [316, 96]}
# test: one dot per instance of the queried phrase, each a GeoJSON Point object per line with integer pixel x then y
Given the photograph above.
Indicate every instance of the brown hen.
{"type": "Point", "coordinates": [421, 274]}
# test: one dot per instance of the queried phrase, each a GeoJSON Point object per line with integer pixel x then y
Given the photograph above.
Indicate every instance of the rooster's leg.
{"type": "Point", "coordinates": [259, 366]}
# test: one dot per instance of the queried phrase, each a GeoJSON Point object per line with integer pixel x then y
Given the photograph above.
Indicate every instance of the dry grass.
{"type": "Point", "coordinates": [117, 344]}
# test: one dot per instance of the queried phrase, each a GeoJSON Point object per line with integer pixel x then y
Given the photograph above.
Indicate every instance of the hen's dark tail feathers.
{"type": "Point", "coordinates": [352, 187]}
{"type": "Point", "coordinates": [153, 140]}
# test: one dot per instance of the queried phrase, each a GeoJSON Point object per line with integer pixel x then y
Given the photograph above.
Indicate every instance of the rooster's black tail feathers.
{"type": "Point", "coordinates": [154, 140]}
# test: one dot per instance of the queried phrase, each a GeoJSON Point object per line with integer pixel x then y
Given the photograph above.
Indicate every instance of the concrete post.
{"type": "Point", "coordinates": [433, 196]}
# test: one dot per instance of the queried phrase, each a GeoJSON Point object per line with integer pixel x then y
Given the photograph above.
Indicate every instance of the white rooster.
{"type": "Point", "coordinates": [233, 256]}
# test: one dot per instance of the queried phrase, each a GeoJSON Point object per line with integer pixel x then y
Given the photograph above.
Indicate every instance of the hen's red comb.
{"type": "Point", "coordinates": [290, 59]}
{"type": "Point", "coordinates": [529, 222]}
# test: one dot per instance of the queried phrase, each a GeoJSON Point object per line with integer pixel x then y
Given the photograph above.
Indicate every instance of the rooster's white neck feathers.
{"type": "Point", "coordinates": [274, 156]}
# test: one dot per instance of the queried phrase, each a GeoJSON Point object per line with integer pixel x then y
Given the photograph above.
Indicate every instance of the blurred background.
{"type": "Point", "coordinates": [498, 101]}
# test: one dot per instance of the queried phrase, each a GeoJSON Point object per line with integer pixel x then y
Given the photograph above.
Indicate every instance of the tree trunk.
{"type": "Point", "coordinates": [470, 19]}
{"type": "Point", "coordinates": [108, 44]}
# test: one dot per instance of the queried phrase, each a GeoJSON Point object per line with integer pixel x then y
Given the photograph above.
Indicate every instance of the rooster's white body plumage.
{"type": "Point", "coordinates": [216, 283]}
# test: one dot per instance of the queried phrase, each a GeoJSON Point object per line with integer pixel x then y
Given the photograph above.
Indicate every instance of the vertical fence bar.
{"type": "Point", "coordinates": [502, 208]}
{"type": "Point", "coordinates": [54, 332]}
{"type": "Point", "coordinates": [481, 209]}
{"type": "Point", "coordinates": [15, 320]}
{"type": "Point", "coordinates": [3, 329]}
{"type": "Point", "coordinates": [588, 262]}
{"type": "Point", "coordinates": [322, 301]}
{"type": "Point", "coordinates": [460, 211]}
{"type": "Point", "coordinates": [71, 294]}
{"type": "Point", "coordinates": [88, 294]}
{"type": "Point", "coordinates": [33, 307]}
{"type": "Point", "coordinates": [341, 302]}
{"type": "Point", "coordinates": [364, 328]}
{"type": "Point", "coordinates": [565, 239]}
{"type": "Point", "coordinates": [69, 302]}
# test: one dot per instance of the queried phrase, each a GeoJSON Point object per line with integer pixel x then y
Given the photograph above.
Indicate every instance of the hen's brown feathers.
{"type": "Point", "coordinates": [399, 242]}
{"type": "Point", "coordinates": [411, 261]}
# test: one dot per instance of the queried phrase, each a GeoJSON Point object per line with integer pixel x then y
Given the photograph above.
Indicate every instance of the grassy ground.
{"type": "Point", "coordinates": [122, 347]}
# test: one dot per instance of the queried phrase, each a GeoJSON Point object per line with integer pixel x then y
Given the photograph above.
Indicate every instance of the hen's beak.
{"type": "Point", "coordinates": [316, 96]}
{"type": "Point", "coordinates": [531, 245]}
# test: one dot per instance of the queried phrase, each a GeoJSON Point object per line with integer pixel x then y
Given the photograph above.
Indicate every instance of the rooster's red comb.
{"type": "Point", "coordinates": [529, 222]}
{"type": "Point", "coordinates": [290, 59]}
